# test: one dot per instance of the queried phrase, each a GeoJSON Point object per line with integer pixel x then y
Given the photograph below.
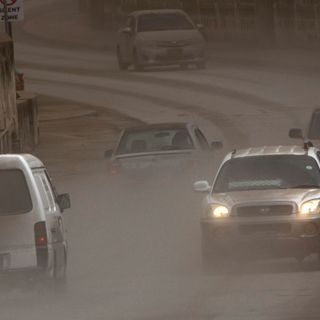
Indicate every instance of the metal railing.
{"type": "Point", "coordinates": [301, 18]}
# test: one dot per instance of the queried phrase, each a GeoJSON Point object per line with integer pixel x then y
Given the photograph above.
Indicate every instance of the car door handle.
{"type": "Point", "coordinates": [54, 230]}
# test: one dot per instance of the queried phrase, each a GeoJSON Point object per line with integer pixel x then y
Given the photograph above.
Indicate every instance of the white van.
{"type": "Point", "coordinates": [32, 234]}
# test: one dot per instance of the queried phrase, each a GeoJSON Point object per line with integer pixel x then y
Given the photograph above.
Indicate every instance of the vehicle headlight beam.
{"type": "Point", "coordinates": [219, 211]}
{"type": "Point", "coordinates": [310, 207]}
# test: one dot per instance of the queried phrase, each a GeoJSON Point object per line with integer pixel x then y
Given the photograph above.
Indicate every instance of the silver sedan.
{"type": "Point", "coordinates": [160, 37]}
{"type": "Point", "coordinates": [162, 150]}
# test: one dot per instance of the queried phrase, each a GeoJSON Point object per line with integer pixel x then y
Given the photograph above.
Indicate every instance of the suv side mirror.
{"type": "Point", "coordinates": [201, 186]}
{"type": "Point", "coordinates": [108, 153]}
{"type": "Point", "coordinates": [296, 133]}
{"type": "Point", "coordinates": [64, 201]}
{"type": "Point", "coordinates": [216, 145]}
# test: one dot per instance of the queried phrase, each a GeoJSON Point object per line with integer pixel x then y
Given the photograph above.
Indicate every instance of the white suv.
{"type": "Point", "coordinates": [263, 201]}
{"type": "Point", "coordinates": [32, 231]}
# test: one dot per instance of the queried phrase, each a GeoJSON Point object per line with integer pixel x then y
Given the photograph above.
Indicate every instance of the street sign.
{"type": "Point", "coordinates": [14, 8]}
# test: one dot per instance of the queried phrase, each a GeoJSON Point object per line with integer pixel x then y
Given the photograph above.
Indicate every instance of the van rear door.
{"type": "Point", "coordinates": [17, 242]}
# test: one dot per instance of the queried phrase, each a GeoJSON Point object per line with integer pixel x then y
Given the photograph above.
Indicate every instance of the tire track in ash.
{"type": "Point", "coordinates": [250, 100]}
{"type": "Point", "coordinates": [226, 125]}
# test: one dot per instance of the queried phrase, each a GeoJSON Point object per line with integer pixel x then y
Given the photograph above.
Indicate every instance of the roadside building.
{"type": "Point", "coordinates": [19, 125]}
{"type": "Point", "coordinates": [8, 108]}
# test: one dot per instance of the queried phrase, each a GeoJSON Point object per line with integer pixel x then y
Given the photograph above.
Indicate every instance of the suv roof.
{"type": "Point", "coordinates": [32, 161]}
{"type": "Point", "coordinates": [270, 150]}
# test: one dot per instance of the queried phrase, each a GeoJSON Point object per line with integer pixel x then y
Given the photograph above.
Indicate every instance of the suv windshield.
{"type": "Point", "coordinates": [155, 140]}
{"type": "Point", "coordinates": [163, 21]}
{"type": "Point", "coordinates": [14, 193]}
{"type": "Point", "coordinates": [268, 172]}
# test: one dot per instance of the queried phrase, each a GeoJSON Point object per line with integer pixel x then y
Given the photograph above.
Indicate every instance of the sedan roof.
{"type": "Point", "coordinates": [155, 11]}
{"type": "Point", "coordinates": [173, 125]}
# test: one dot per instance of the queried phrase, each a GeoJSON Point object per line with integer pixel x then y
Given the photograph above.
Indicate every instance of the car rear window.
{"type": "Point", "coordinates": [155, 140]}
{"type": "Point", "coordinates": [14, 193]}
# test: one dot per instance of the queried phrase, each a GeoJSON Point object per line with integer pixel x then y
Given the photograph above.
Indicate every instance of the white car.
{"type": "Point", "coordinates": [162, 150]}
{"type": "Point", "coordinates": [32, 231]}
{"type": "Point", "coordinates": [160, 37]}
{"type": "Point", "coordinates": [264, 201]}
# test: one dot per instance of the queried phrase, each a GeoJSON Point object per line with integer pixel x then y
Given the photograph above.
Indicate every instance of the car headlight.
{"type": "Point", "coordinates": [310, 207]}
{"type": "Point", "coordinates": [218, 211]}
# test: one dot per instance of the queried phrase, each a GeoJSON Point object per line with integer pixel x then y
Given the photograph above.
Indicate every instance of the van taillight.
{"type": "Point", "coordinates": [40, 234]}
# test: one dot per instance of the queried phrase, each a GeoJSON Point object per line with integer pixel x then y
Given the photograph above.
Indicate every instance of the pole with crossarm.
{"type": "Point", "coordinates": [7, 23]}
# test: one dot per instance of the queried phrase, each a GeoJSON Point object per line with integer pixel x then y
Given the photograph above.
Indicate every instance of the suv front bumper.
{"type": "Point", "coordinates": [280, 237]}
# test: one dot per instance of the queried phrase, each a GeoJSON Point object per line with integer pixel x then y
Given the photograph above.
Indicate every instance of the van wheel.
{"type": "Point", "coordinates": [55, 279]}
{"type": "Point", "coordinates": [60, 273]}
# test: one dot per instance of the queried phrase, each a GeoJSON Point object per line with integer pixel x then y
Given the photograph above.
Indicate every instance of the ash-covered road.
{"type": "Point", "coordinates": [135, 249]}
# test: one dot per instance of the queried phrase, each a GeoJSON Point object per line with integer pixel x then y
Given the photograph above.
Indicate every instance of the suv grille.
{"type": "Point", "coordinates": [264, 210]}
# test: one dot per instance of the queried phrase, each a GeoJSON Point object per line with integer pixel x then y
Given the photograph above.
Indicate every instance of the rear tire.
{"type": "Point", "coordinates": [136, 62]}
{"type": "Point", "coordinates": [55, 279]}
{"type": "Point", "coordinates": [121, 64]}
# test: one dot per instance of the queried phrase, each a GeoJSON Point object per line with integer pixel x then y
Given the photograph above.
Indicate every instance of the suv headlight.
{"type": "Point", "coordinates": [218, 211]}
{"type": "Point", "coordinates": [310, 207]}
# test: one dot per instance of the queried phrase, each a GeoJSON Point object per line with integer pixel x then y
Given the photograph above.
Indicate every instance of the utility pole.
{"type": "Point", "coordinates": [7, 23]}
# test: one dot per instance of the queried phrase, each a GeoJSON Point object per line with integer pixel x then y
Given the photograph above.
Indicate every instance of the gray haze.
{"type": "Point", "coordinates": [135, 246]}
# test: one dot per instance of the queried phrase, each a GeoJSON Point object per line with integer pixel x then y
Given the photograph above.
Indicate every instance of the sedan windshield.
{"type": "Point", "coordinates": [155, 140]}
{"type": "Point", "coordinates": [268, 172]}
{"type": "Point", "coordinates": [164, 21]}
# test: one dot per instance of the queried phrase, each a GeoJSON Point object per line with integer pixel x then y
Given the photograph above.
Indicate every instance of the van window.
{"type": "Point", "coordinates": [45, 190]}
{"type": "Point", "coordinates": [44, 197]}
{"type": "Point", "coordinates": [14, 193]}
